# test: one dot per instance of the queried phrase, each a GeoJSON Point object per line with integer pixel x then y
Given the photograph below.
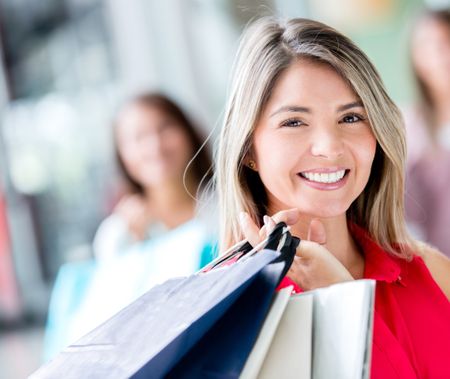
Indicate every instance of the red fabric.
{"type": "Point", "coordinates": [9, 297]}
{"type": "Point", "coordinates": [411, 336]}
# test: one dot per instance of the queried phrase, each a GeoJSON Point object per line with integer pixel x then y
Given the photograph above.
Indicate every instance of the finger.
{"type": "Point", "coordinates": [269, 224]}
{"type": "Point", "coordinates": [316, 232]}
{"type": "Point", "coordinates": [289, 216]}
{"type": "Point", "coordinates": [297, 270]}
{"type": "Point", "coordinates": [263, 233]}
{"type": "Point", "coordinates": [249, 229]}
{"type": "Point", "coordinates": [307, 249]}
{"type": "Point", "coordinates": [296, 263]}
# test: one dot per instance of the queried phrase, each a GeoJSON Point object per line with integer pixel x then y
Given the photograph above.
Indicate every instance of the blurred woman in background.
{"type": "Point", "coordinates": [428, 132]}
{"type": "Point", "coordinates": [154, 142]}
{"type": "Point", "coordinates": [156, 231]}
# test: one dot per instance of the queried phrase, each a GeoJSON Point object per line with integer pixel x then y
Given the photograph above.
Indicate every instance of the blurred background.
{"type": "Point", "coordinates": [66, 65]}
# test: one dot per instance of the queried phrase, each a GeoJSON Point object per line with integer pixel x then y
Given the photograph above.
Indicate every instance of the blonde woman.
{"type": "Point", "coordinates": [310, 137]}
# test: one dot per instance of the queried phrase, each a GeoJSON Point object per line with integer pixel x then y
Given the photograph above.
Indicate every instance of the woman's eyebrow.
{"type": "Point", "coordinates": [291, 108]}
{"type": "Point", "coordinates": [295, 108]}
{"type": "Point", "coordinates": [355, 104]}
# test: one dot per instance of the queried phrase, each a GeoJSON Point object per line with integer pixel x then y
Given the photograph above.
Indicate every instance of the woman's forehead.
{"type": "Point", "coordinates": [310, 84]}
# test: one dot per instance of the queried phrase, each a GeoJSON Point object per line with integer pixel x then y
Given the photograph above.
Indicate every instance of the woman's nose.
{"type": "Point", "coordinates": [327, 143]}
{"type": "Point", "coordinates": [154, 142]}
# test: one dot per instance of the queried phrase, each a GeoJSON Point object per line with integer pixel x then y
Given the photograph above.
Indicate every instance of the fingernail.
{"type": "Point", "coordinates": [266, 220]}
{"type": "Point", "coordinates": [270, 223]}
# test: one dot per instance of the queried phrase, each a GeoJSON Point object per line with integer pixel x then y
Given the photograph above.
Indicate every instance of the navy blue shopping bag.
{"type": "Point", "coordinates": [224, 349]}
{"type": "Point", "coordinates": [196, 327]}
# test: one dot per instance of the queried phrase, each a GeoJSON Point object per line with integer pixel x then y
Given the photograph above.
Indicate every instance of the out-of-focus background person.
{"type": "Point", "coordinates": [428, 127]}
{"type": "Point", "coordinates": [154, 143]}
{"type": "Point", "coordinates": [65, 65]}
{"type": "Point", "coordinates": [154, 233]}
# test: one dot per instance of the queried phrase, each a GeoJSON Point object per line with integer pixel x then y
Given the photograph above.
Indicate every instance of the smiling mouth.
{"type": "Point", "coordinates": [325, 177]}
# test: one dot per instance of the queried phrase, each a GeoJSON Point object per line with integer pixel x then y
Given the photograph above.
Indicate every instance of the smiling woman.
{"type": "Point", "coordinates": [311, 138]}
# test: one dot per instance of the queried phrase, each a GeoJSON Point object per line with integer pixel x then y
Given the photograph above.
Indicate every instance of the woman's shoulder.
{"type": "Point", "coordinates": [437, 263]}
{"type": "Point", "coordinates": [113, 223]}
{"type": "Point", "coordinates": [424, 260]}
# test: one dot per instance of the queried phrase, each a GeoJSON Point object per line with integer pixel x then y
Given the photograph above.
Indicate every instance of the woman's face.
{"type": "Point", "coordinates": [154, 147]}
{"type": "Point", "coordinates": [431, 53]}
{"type": "Point", "coordinates": [313, 145]}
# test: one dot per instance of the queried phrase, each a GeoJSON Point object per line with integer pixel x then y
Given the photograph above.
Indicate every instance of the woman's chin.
{"type": "Point", "coordinates": [323, 211]}
{"type": "Point", "coordinates": [157, 180]}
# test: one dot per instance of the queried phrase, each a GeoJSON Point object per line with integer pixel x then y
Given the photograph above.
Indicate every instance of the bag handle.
{"type": "Point", "coordinates": [288, 242]}
{"type": "Point", "coordinates": [280, 239]}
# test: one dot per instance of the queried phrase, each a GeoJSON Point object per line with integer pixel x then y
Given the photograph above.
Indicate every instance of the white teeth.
{"type": "Point", "coordinates": [331, 177]}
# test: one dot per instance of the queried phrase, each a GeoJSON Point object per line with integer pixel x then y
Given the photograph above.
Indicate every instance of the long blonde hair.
{"type": "Point", "coordinates": [267, 48]}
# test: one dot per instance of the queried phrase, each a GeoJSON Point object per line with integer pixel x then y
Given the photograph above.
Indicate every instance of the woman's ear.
{"type": "Point", "coordinates": [250, 162]}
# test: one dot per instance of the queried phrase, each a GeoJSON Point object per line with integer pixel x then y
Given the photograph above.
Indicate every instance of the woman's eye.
{"type": "Point", "coordinates": [292, 123]}
{"type": "Point", "coordinates": [352, 118]}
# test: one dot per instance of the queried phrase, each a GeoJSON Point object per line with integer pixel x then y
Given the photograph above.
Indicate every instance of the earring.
{"type": "Point", "coordinates": [252, 165]}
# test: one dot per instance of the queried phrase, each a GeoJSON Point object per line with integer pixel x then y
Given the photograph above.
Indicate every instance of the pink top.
{"type": "Point", "coordinates": [411, 337]}
{"type": "Point", "coordinates": [427, 194]}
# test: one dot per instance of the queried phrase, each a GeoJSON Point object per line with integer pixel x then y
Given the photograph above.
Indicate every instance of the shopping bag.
{"type": "Point", "coordinates": [320, 334]}
{"type": "Point", "coordinates": [201, 326]}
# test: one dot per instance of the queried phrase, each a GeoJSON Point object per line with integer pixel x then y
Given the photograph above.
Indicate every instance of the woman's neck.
{"type": "Point", "coordinates": [442, 108]}
{"type": "Point", "coordinates": [338, 241]}
{"type": "Point", "coordinates": [170, 204]}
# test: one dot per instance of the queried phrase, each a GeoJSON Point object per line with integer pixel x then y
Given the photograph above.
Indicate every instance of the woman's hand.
{"type": "Point", "coordinates": [133, 210]}
{"type": "Point", "coordinates": [255, 235]}
{"type": "Point", "coordinates": [314, 266]}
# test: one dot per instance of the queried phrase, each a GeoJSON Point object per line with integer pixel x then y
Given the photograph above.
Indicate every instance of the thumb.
{"type": "Point", "coordinates": [316, 232]}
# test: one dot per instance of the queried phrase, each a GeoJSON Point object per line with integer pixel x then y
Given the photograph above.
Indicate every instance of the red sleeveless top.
{"type": "Point", "coordinates": [411, 335]}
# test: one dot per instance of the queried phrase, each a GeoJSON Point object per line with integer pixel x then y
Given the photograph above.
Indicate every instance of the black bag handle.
{"type": "Point", "coordinates": [278, 235]}
{"type": "Point", "coordinates": [287, 250]}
